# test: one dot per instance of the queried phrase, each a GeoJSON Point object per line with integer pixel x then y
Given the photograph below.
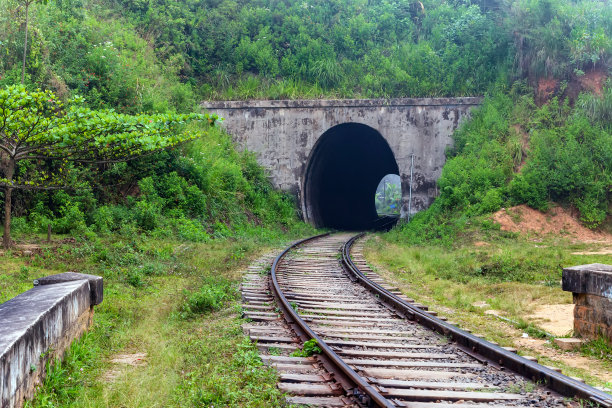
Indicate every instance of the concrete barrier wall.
{"type": "Point", "coordinates": [38, 326]}
{"type": "Point", "coordinates": [591, 287]}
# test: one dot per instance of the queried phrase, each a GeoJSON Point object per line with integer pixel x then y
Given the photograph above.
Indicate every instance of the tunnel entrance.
{"type": "Point", "coordinates": [342, 175]}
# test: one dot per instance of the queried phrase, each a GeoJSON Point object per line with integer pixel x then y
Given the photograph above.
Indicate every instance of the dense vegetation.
{"type": "Point", "coordinates": [513, 152]}
{"type": "Point", "coordinates": [160, 56]}
{"type": "Point", "coordinates": [203, 190]}
{"type": "Point", "coordinates": [157, 55]}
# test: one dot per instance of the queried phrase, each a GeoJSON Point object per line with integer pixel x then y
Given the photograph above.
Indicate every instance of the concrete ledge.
{"type": "Point", "coordinates": [96, 284]}
{"type": "Point", "coordinates": [38, 326]}
{"type": "Point", "coordinates": [591, 287]}
{"type": "Point", "coordinates": [592, 279]}
{"type": "Point", "coordinates": [339, 103]}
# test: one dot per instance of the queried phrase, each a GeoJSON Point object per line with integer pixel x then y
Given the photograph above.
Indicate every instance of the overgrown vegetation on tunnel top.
{"type": "Point", "coordinates": [153, 56]}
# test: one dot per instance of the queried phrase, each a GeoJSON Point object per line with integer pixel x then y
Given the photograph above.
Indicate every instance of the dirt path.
{"type": "Point", "coordinates": [555, 319]}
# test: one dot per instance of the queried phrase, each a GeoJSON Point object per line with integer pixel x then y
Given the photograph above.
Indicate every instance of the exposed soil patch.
{"type": "Point", "coordinates": [556, 221]}
{"type": "Point", "coordinates": [555, 319]}
{"type": "Point", "coordinates": [545, 90]}
{"type": "Point", "coordinates": [571, 359]}
{"type": "Point", "coordinates": [605, 251]}
{"type": "Point", "coordinates": [133, 359]}
{"type": "Point", "coordinates": [24, 249]}
{"type": "Point", "coordinates": [593, 81]}
{"type": "Point", "coordinates": [36, 246]}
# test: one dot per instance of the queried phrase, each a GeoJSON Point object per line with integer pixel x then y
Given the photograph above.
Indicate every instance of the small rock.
{"type": "Point", "coordinates": [568, 343]}
{"type": "Point", "coordinates": [480, 304]}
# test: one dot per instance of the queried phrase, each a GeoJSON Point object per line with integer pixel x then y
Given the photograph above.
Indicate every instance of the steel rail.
{"type": "Point", "coordinates": [373, 396]}
{"type": "Point", "coordinates": [560, 383]}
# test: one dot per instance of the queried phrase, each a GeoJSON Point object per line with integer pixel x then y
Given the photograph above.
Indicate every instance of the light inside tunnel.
{"type": "Point", "coordinates": [343, 173]}
{"type": "Point", "coordinates": [388, 198]}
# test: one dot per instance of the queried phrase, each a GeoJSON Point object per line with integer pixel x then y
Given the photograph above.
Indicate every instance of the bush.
{"type": "Point", "coordinates": [190, 230]}
{"type": "Point", "coordinates": [19, 224]}
{"type": "Point", "coordinates": [211, 296]}
{"type": "Point", "coordinates": [40, 217]}
{"type": "Point", "coordinates": [103, 219]}
{"type": "Point", "coordinates": [147, 215]}
{"type": "Point", "coordinates": [72, 219]}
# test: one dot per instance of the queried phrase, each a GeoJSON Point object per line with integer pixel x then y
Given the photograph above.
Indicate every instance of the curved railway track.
{"type": "Point", "coordinates": [379, 348]}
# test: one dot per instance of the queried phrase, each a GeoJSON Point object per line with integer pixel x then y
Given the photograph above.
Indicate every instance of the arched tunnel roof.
{"type": "Point", "coordinates": [343, 171]}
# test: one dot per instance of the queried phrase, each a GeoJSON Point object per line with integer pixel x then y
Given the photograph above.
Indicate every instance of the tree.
{"type": "Point", "coordinates": [388, 198]}
{"type": "Point", "coordinates": [40, 137]}
{"type": "Point", "coordinates": [27, 4]}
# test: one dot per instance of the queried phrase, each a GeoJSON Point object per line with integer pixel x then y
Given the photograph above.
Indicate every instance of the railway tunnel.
{"type": "Point", "coordinates": [343, 171]}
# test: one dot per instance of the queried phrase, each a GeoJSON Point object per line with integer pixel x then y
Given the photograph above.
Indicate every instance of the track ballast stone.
{"type": "Point", "coordinates": [408, 364]}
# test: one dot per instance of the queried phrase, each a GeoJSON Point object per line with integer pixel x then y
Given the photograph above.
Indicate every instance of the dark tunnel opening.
{"type": "Point", "coordinates": [344, 170]}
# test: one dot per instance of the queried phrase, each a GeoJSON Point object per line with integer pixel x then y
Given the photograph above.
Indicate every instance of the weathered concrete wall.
{"type": "Point", "coordinates": [283, 134]}
{"type": "Point", "coordinates": [38, 326]}
{"type": "Point", "coordinates": [591, 287]}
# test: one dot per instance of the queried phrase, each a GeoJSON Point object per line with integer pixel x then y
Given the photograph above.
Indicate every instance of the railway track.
{"type": "Point", "coordinates": [377, 347]}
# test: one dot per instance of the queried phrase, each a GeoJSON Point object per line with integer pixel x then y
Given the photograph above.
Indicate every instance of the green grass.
{"type": "Point", "coordinates": [495, 270]}
{"type": "Point", "coordinates": [173, 301]}
{"type": "Point", "coordinates": [598, 348]}
{"type": "Point", "coordinates": [511, 274]}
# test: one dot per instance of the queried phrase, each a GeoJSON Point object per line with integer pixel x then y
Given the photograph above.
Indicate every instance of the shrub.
{"type": "Point", "coordinates": [72, 219]}
{"type": "Point", "coordinates": [40, 217]}
{"type": "Point", "coordinates": [19, 224]}
{"type": "Point", "coordinates": [147, 215]}
{"type": "Point", "coordinates": [190, 230]}
{"type": "Point", "coordinates": [103, 219]}
{"type": "Point", "coordinates": [211, 296]}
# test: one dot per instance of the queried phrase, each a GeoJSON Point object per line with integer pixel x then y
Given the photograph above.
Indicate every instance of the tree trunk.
{"type": "Point", "coordinates": [25, 44]}
{"type": "Point", "coordinates": [7, 164]}
{"type": "Point", "coordinates": [6, 239]}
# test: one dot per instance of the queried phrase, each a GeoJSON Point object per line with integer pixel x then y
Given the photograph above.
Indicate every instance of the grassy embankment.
{"type": "Point", "coordinates": [502, 272]}
{"type": "Point", "coordinates": [173, 305]}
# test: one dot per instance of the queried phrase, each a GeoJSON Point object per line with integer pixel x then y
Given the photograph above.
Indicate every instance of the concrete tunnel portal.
{"type": "Point", "coordinates": [343, 171]}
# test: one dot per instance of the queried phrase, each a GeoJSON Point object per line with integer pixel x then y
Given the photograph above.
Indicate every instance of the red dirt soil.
{"type": "Point", "coordinates": [556, 221]}
{"type": "Point", "coordinates": [546, 89]}
{"type": "Point", "coordinates": [593, 81]}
